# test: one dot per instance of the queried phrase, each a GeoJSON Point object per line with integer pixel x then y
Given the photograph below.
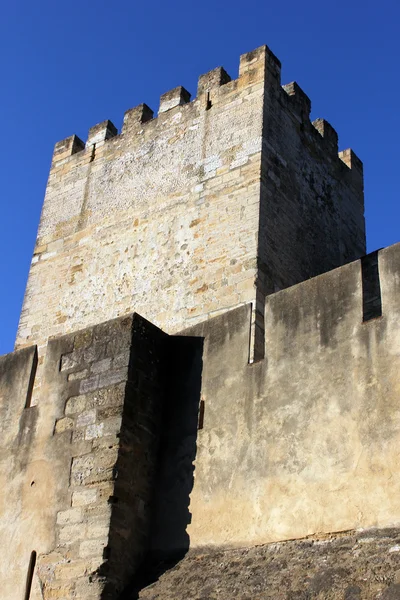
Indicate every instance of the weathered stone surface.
{"type": "Point", "coordinates": [64, 458]}
{"type": "Point", "coordinates": [351, 566]}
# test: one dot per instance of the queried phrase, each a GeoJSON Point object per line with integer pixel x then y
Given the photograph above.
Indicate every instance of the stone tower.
{"type": "Point", "coordinates": [215, 203]}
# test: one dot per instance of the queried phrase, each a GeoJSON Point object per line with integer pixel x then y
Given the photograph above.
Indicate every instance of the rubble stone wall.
{"type": "Point", "coordinates": [353, 565]}
{"type": "Point", "coordinates": [77, 469]}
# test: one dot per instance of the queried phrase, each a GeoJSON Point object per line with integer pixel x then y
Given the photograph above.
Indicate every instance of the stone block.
{"type": "Point", "coordinates": [95, 352]}
{"type": "Point", "coordinates": [64, 424]}
{"type": "Point", "coordinates": [70, 516]}
{"type": "Point", "coordinates": [94, 431]}
{"type": "Point", "coordinates": [109, 440]}
{"type": "Point", "coordinates": [101, 365]}
{"type": "Point", "coordinates": [83, 339]}
{"type": "Point", "coordinates": [89, 588]}
{"type": "Point", "coordinates": [86, 418]}
{"type": "Point", "coordinates": [69, 534]}
{"type": "Point", "coordinates": [59, 590]}
{"type": "Point", "coordinates": [97, 530]}
{"type": "Point", "coordinates": [84, 497]}
{"type": "Point", "coordinates": [69, 361]}
{"type": "Point", "coordinates": [112, 377]}
{"type": "Point", "coordinates": [109, 411]}
{"type": "Point", "coordinates": [82, 467]}
{"type": "Point", "coordinates": [120, 361]}
{"type": "Point", "coordinates": [89, 548]}
{"type": "Point", "coordinates": [72, 570]}
{"type": "Point", "coordinates": [89, 384]}
{"type": "Point", "coordinates": [106, 397]}
{"type": "Point", "coordinates": [78, 438]}
{"type": "Point", "coordinates": [112, 426]}
{"type": "Point", "coordinates": [74, 405]}
{"type": "Point", "coordinates": [77, 376]}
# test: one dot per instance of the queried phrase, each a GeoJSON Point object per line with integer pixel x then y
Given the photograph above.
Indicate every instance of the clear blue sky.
{"type": "Point", "coordinates": [66, 66]}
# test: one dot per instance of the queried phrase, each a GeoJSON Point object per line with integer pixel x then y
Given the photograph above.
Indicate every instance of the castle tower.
{"type": "Point", "coordinates": [215, 203]}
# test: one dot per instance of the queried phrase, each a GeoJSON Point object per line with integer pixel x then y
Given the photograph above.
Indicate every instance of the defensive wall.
{"type": "Point", "coordinates": [213, 204]}
{"type": "Point", "coordinates": [144, 441]}
{"type": "Point", "coordinates": [306, 440]}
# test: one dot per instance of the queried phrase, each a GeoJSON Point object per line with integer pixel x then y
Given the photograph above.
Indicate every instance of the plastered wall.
{"type": "Point", "coordinates": [33, 474]}
{"type": "Point", "coordinates": [305, 441]}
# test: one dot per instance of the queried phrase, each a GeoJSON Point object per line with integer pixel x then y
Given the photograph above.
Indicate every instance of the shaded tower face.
{"type": "Point", "coordinates": [213, 204]}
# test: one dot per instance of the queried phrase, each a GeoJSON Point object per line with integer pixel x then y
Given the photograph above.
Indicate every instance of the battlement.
{"type": "Point", "coordinates": [250, 70]}
{"type": "Point", "coordinates": [259, 65]}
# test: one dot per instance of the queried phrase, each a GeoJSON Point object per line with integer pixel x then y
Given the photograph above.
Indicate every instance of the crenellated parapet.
{"type": "Point", "coordinates": [252, 68]}
{"type": "Point", "coordinates": [310, 434]}
{"type": "Point", "coordinates": [259, 65]}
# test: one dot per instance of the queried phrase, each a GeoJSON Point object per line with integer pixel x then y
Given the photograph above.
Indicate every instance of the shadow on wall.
{"type": "Point", "coordinates": [169, 540]}
{"type": "Point", "coordinates": [178, 448]}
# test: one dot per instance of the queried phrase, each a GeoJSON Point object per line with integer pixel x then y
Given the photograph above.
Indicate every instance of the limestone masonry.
{"type": "Point", "coordinates": [206, 361]}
